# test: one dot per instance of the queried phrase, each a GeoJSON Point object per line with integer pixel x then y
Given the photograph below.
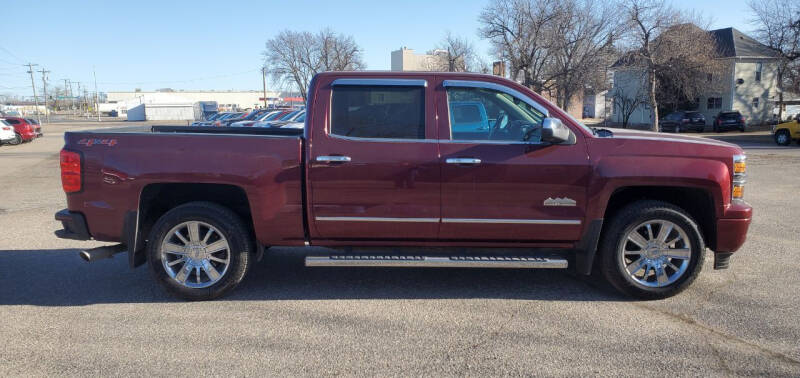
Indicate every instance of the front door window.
{"type": "Point", "coordinates": [487, 114]}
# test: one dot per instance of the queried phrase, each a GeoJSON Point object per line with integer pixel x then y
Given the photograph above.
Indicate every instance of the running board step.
{"type": "Point", "coordinates": [438, 261]}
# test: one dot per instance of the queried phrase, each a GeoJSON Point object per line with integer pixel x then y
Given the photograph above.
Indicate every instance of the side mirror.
{"type": "Point", "coordinates": [553, 131]}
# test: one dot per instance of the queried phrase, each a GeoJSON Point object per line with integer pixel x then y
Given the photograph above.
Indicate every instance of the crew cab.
{"type": "Point", "coordinates": [379, 176]}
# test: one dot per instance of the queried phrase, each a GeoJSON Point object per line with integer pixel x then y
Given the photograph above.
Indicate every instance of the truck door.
{"type": "Point", "coordinates": [503, 183]}
{"type": "Point", "coordinates": [373, 160]}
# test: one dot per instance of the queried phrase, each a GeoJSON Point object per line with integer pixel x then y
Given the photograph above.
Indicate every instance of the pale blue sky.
{"type": "Point", "coordinates": [217, 45]}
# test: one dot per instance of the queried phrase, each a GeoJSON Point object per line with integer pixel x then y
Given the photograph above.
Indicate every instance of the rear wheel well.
{"type": "Point", "coordinates": [698, 203]}
{"type": "Point", "coordinates": [157, 199]}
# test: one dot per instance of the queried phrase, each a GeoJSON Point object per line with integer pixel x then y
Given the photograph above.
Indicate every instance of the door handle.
{"type": "Point", "coordinates": [333, 159]}
{"type": "Point", "coordinates": [463, 161]}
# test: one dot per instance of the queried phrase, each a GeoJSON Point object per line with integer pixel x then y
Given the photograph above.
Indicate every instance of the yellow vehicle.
{"type": "Point", "coordinates": [786, 132]}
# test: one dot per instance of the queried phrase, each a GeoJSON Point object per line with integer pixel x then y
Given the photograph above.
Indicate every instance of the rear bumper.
{"type": "Point", "coordinates": [74, 226]}
{"type": "Point", "coordinates": [732, 228]}
{"type": "Point", "coordinates": [28, 135]}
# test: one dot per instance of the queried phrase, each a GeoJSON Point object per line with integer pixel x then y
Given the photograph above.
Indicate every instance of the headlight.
{"type": "Point", "coordinates": [739, 174]}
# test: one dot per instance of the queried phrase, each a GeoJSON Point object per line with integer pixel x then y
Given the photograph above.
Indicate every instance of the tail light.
{"type": "Point", "coordinates": [685, 120]}
{"type": "Point", "coordinates": [6, 128]}
{"type": "Point", "coordinates": [70, 171]}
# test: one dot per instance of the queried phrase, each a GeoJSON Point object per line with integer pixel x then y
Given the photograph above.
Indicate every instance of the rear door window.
{"type": "Point", "coordinates": [367, 111]}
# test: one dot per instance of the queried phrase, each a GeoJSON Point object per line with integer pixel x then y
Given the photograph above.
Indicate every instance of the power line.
{"type": "Point", "coordinates": [10, 53]}
{"type": "Point", "coordinates": [179, 81]}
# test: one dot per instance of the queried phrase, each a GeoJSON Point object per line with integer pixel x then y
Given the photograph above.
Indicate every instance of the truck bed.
{"type": "Point", "coordinates": [120, 165]}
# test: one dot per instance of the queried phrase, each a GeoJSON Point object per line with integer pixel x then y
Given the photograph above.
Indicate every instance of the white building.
{"type": "Point", "coordinates": [747, 83]}
{"type": "Point", "coordinates": [406, 59]}
{"type": "Point", "coordinates": [226, 100]}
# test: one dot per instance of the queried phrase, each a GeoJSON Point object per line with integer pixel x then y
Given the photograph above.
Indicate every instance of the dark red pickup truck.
{"type": "Point", "coordinates": [408, 170]}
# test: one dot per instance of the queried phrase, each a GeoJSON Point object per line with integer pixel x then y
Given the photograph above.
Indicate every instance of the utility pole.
{"type": "Point", "coordinates": [96, 95]}
{"type": "Point", "coordinates": [33, 85]}
{"type": "Point", "coordinates": [44, 86]}
{"type": "Point", "coordinates": [264, 82]}
{"type": "Point", "coordinates": [67, 85]}
{"type": "Point", "coordinates": [80, 103]}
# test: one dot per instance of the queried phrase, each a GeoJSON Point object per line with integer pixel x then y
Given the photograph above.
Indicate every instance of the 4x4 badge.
{"type": "Point", "coordinates": [559, 201]}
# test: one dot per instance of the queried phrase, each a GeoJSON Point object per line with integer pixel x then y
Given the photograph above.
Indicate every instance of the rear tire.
{"type": "Point", "coordinates": [782, 138]}
{"type": "Point", "coordinates": [670, 261]}
{"type": "Point", "coordinates": [179, 251]}
{"type": "Point", "coordinates": [17, 140]}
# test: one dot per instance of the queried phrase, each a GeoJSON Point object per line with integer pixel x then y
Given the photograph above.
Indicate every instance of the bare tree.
{"type": "Point", "coordinates": [295, 57]}
{"type": "Point", "coordinates": [520, 32]}
{"type": "Point", "coordinates": [454, 54]}
{"type": "Point", "coordinates": [778, 26]}
{"type": "Point", "coordinates": [584, 34]}
{"type": "Point", "coordinates": [668, 49]}
{"type": "Point", "coordinates": [626, 103]}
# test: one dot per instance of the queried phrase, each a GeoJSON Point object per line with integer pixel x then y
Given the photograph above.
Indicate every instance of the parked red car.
{"type": "Point", "coordinates": [384, 174]}
{"type": "Point", "coordinates": [27, 129]}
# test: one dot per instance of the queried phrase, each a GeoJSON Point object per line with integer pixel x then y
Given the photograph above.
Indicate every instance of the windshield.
{"type": "Point", "coordinates": [272, 116]}
{"type": "Point", "coordinates": [301, 118]}
{"type": "Point", "coordinates": [289, 116]}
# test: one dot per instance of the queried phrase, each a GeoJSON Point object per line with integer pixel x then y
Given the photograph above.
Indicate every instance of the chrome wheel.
{"type": "Point", "coordinates": [655, 253]}
{"type": "Point", "coordinates": [195, 254]}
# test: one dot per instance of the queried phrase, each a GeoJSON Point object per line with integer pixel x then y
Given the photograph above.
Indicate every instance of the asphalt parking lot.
{"type": "Point", "coordinates": [62, 316]}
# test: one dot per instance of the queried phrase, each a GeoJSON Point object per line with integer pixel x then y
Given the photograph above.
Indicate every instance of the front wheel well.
{"type": "Point", "coordinates": [156, 199]}
{"type": "Point", "coordinates": [698, 203]}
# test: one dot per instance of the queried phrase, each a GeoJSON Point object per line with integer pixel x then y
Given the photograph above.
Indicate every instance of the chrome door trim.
{"type": "Point", "coordinates": [378, 219]}
{"type": "Point", "coordinates": [383, 82]}
{"type": "Point", "coordinates": [453, 220]}
{"type": "Point", "coordinates": [486, 141]}
{"type": "Point", "coordinates": [385, 140]}
{"type": "Point", "coordinates": [334, 159]}
{"type": "Point", "coordinates": [462, 161]}
{"type": "Point", "coordinates": [512, 221]}
{"type": "Point", "coordinates": [499, 88]}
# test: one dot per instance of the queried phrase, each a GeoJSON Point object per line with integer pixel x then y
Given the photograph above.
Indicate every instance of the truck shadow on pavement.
{"type": "Point", "coordinates": [57, 277]}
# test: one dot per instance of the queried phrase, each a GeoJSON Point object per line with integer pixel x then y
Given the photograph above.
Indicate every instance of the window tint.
{"type": "Point", "coordinates": [493, 115]}
{"type": "Point", "coordinates": [378, 112]}
{"type": "Point", "coordinates": [13, 121]}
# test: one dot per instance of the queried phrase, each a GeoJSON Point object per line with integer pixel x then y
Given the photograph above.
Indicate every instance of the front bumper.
{"type": "Point", "coordinates": [74, 226]}
{"type": "Point", "coordinates": [732, 227]}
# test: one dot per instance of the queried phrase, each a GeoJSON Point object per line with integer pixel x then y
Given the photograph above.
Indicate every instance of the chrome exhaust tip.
{"type": "Point", "coordinates": [100, 253]}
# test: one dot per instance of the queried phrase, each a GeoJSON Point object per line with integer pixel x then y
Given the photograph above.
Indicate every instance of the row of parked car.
{"type": "Point", "coordinates": [684, 120]}
{"type": "Point", "coordinates": [16, 130]}
{"type": "Point", "coordinates": [283, 118]}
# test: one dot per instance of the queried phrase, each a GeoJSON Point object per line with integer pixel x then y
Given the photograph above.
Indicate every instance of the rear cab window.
{"type": "Point", "coordinates": [378, 111]}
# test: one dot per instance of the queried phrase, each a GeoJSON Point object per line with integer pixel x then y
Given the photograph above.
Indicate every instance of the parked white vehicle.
{"type": "Point", "coordinates": [7, 133]}
{"type": "Point", "coordinates": [297, 123]}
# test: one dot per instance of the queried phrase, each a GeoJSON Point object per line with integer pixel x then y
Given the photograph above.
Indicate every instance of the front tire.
{"type": "Point", "coordinates": [782, 138]}
{"type": "Point", "coordinates": [199, 251]}
{"type": "Point", "coordinates": [651, 250]}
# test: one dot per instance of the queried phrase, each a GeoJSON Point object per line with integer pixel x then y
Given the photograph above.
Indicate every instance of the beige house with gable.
{"type": "Point", "coordinates": [748, 82]}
